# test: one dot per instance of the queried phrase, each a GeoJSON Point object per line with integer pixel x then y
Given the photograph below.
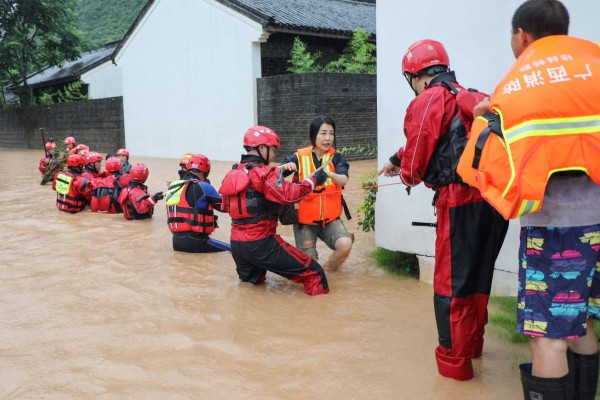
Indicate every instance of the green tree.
{"type": "Point", "coordinates": [302, 61]}
{"type": "Point", "coordinates": [106, 21]}
{"type": "Point", "coordinates": [35, 34]}
{"type": "Point", "coordinates": [358, 57]}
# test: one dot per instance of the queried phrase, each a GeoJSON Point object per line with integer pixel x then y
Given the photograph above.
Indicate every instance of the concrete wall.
{"type": "Point", "coordinates": [97, 123]}
{"type": "Point", "coordinates": [477, 39]}
{"type": "Point", "coordinates": [103, 81]}
{"type": "Point", "coordinates": [288, 103]}
{"type": "Point", "coordinates": [189, 75]}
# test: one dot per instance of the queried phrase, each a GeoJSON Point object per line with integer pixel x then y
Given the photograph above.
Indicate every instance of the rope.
{"type": "Point", "coordinates": [362, 188]}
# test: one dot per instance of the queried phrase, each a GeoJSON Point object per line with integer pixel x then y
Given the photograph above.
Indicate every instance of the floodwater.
{"type": "Point", "coordinates": [96, 307]}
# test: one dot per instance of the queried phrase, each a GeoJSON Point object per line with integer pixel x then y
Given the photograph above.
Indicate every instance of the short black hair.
{"type": "Point", "coordinates": [316, 124]}
{"type": "Point", "coordinates": [541, 18]}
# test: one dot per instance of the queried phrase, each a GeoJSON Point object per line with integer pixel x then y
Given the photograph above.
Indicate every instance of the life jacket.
{"type": "Point", "coordinates": [105, 195]}
{"type": "Point", "coordinates": [244, 204]}
{"type": "Point", "coordinates": [184, 217]}
{"type": "Point", "coordinates": [68, 197]}
{"type": "Point", "coordinates": [324, 203]}
{"type": "Point", "coordinates": [441, 169]}
{"type": "Point", "coordinates": [546, 119]}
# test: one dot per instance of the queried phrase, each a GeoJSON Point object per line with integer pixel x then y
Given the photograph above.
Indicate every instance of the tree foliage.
{"type": "Point", "coordinates": [35, 34]}
{"type": "Point", "coordinates": [71, 92]}
{"type": "Point", "coordinates": [357, 58]}
{"type": "Point", "coordinates": [302, 61]}
{"type": "Point", "coordinates": [106, 21]}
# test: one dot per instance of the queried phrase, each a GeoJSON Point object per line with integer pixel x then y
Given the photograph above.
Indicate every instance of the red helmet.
{"type": "Point", "coordinates": [139, 172]}
{"type": "Point", "coordinates": [50, 146]}
{"type": "Point", "coordinates": [184, 159]}
{"type": "Point", "coordinates": [258, 135]}
{"type": "Point", "coordinates": [92, 156]}
{"type": "Point", "coordinates": [424, 54]}
{"type": "Point", "coordinates": [75, 160]}
{"type": "Point", "coordinates": [81, 147]}
{"type": "Point", "coordinates": [198, 163]}
{"type": "Point", "coordinates": [113, 164]}
{"type": "Point", "coordinates": [123, 152]}
{"type": "Point", "coordinates": [70, 140]}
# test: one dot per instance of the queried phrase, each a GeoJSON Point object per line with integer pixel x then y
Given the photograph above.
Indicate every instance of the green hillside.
{"type": "Point", "coordinates": [104, 21]}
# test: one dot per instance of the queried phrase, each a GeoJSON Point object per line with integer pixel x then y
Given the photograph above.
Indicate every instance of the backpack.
{"type": "Point", "coordinates": [105, 195]}
{"type": "Point", "coordinates": [441, 169]}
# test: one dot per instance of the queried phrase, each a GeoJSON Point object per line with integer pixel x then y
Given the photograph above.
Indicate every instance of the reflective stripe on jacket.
{"type": "Point", "coordinates": [324, 204]}
{"type": "Point", "coordinates": [69, 196]}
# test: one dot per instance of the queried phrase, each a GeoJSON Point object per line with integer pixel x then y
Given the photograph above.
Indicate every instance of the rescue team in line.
{"type": "Point", "coordinates": [253, 193]}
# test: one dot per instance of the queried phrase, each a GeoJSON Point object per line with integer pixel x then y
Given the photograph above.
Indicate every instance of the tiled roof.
{"type": "Point", "coordinates": [74, 69]}
{"type": "Point", "coordinates": [325, 16]}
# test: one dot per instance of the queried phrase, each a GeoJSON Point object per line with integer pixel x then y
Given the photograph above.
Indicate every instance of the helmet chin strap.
{"type": "Point", "coordinates": [265, 160]}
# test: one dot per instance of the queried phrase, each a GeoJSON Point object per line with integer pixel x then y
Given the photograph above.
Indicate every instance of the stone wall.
{"type": "Point", "coordinates": [288, 103]}
{"type": "Point", "coordinates": [96, 123]}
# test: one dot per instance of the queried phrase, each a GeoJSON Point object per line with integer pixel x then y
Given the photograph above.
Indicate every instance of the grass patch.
{"type": "Point", "coordinates": [502, 320]}
{"type": "Point", "coordinates": [397, 263]}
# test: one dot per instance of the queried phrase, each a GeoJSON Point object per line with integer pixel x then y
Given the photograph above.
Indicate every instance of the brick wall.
{"type": "Point", "coordinates": [97, 123]}
{"type": "Point", "coordinates": [288, 103]}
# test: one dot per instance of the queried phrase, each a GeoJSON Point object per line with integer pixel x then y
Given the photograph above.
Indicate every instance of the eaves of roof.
{"type": "Point", "coordinates": [325, 18]}
{"type": "Point", "coordinates": [70, 71]}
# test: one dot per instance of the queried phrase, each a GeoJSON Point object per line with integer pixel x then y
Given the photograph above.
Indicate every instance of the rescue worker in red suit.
{"type": "Point", "coordinates": [191, 202]}
{"type": "Point", "coordinates": [44, 161]}
{"type": "Point", "coordinates": [107, 186]}
{"type": "Point", "coordinates": [253, 193]}
{"type": "Point", "coordinates": [93, 165]}
{"type": "Point", "coordinates": [73, 191]}
{"type": "Point", "coordinates": [469, 232]}
{"type": "Point", "coordinates": [134, 199]}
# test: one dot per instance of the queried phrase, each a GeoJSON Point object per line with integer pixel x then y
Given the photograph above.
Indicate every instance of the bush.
{"type": "Point", "coordinates": [366, 210]}
{"type": "Point", "coordinates": [302, 61]}
{"type": "Point", "coordinates": [357, 58]}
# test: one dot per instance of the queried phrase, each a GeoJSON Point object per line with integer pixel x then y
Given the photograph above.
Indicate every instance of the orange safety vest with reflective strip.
{"type": "Point", "coordinates": [547, 120]}
{"type": "Point", "coordinates": [324, 204]}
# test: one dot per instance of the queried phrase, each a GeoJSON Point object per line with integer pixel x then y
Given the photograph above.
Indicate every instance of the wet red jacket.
{"type": "Point", "coordinates": [264, 180]}
{"type": "Point", "coordinates": [136, 202]}
{"type": "Point", "coordinates": [427, 118]}
{"type": "Point", "coordinates": [43, 164]}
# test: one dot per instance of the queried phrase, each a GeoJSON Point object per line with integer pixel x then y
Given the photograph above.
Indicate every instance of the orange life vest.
{"type": "Point", "coordinates": [324, 204]}
{"type": "Point", "coordinates": [547, 120]}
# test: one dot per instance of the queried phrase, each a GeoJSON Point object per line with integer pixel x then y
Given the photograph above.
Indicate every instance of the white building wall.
{"type": "Point", "coordinates": [477, 38]}
{"type": "Point", "coordinates": [189, 72]}
{"type": "Point", "coordinates": [104, 81]}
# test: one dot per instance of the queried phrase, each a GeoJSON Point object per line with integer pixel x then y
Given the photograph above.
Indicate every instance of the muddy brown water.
{"type": "Point", "coordinates": [96, 307]}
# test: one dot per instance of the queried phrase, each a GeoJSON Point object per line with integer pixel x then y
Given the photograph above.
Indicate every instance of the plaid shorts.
{"type": "Point", "coordinates": [559, 286]}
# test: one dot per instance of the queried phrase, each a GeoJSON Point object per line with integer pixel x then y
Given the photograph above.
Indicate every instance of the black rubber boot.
{"type": "Point", "coordinates": [583, 375]}
{"type": "Point", "coordinates": [536, 388]}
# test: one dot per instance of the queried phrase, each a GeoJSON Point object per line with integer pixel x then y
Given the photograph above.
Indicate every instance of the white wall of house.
{"type": "Point", "coordinates": [103, 81]}
{"type": "Point", "coordinates": [189, 80]}
{"type": "Point", "coordinates": [477, 39]}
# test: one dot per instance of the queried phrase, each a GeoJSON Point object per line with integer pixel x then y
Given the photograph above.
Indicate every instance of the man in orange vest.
{"type": "Point", "coordinates": [558, 112]}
